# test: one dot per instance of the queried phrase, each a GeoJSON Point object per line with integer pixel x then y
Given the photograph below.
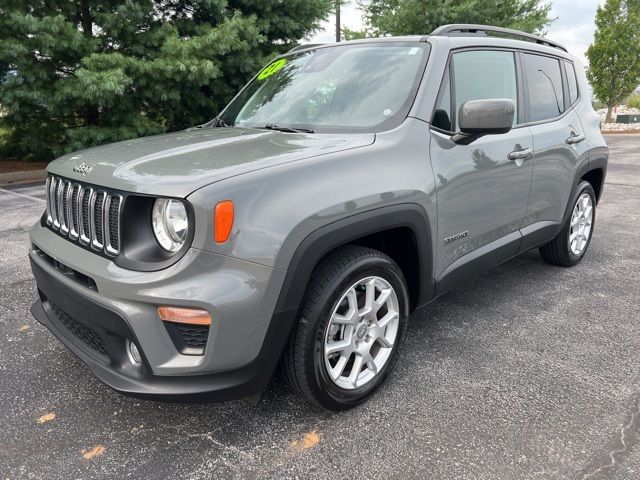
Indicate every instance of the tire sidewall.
{"type": "Point", "coordinates": [339, 398]}
{"type": "Point", "coordinates": [583, 187]}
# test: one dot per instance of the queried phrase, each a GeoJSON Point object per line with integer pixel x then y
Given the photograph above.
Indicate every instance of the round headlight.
{"type": "Point", "coordinates": [170, 223]}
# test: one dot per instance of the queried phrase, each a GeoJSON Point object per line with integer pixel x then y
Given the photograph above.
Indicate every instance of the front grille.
{"type": "Point", "coordinates": [98, 219]}
{"type": "Point", "coordinates": [86, 197]}
{"type": "Point", "coordinates": [65, 210]}
{"type": "Point", "coordinates": [74, 228]}
{"type": "Point", "coordinates": [80, 330]}
{"type": "Point", "coordinates": [114, 221]}
{"type": "Point", "coordinates": [85, 214]}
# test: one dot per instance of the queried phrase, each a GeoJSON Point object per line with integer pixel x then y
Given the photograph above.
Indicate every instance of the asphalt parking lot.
{"type": "Point", "coordinates": [529, 371]}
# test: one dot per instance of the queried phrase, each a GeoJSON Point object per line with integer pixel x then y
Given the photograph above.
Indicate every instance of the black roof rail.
{"type": "Point", "coordinates": [463, 29]}
{"type": "Point", "coordinates": [304, 47]}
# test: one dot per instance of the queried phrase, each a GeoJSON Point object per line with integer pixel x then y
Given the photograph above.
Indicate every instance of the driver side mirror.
{"type": "Point", "coordinates": [484, 117]}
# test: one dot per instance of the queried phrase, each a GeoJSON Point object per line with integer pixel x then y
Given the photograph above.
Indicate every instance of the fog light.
{"type": "Point", "coordinates": [134, 354]}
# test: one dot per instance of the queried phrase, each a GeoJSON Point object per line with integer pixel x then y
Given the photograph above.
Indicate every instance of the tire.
{"type": "Point", "coordinates": [337, 292]}
{"type": "Point", "coordinates": [560, 251]}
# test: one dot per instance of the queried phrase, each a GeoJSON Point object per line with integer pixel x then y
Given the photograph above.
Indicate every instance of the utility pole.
{"type": "Point", "coordinates": [338, 20]}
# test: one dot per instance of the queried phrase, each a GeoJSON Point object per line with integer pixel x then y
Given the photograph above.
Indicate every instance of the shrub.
{"type": "Point", "coordinates": [634, 101]}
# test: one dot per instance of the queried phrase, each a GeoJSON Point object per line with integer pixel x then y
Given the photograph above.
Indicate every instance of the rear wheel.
{"type": "Point", "coordinates": [571, 244]}
{"type": "Point", "coordinates": [349, 330]}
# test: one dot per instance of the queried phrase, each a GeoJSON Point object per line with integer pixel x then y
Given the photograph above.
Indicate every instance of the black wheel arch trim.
{"type": "Point", "coordinates": [587, 165]}
{"type": "Point", "coordinates": [346, 230]}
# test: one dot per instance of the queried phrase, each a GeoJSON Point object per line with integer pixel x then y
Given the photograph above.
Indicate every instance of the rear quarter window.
{"type": "Point", "coordinates": [572, 82]}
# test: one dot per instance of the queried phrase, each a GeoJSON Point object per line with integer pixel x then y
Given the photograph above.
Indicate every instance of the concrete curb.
{"type": "Point", "coordinates": [25, 176]}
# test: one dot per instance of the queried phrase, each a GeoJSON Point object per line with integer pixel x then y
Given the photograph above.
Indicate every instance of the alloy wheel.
{"type": "Point", "coordinates": [581, 221]}
{"type": "Point", "coordinates": [361, 333]}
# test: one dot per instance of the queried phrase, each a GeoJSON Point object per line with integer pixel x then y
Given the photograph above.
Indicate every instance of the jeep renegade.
{"type": "Point", "coordinates": [345, 186]}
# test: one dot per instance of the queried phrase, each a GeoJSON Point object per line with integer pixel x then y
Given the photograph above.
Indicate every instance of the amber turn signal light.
{"type": "Point", "coordinates": [222, 221]}
{"type": "Point", "coordinates": [191, 316]}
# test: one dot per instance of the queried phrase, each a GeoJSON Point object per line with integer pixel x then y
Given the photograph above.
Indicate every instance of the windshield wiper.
{"type": "Point", "coordinates": [218, 122]}
{"type": "Point", "coordinates": [273, 126]}
{"type": "Point", "coordinates": [215, 123]}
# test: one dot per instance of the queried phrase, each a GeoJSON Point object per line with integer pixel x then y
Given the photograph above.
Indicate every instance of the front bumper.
{"type": "Point", "coordinates": [94, 320]}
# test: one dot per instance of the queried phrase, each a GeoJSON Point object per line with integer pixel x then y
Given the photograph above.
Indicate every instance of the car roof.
{"type": "Point", "coordinates": [403, 38]}
{"type": "Point", "coordinates": [496, 42]}
{"type": "Point", "coordinates": [467, 35]}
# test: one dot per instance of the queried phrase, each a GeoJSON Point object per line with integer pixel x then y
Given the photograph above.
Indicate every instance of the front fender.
{"type": "Point", "coordinates": [278, 207]}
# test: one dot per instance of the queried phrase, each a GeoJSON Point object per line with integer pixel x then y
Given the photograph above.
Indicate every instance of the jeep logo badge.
{"type": "Point", "coordinates": [82, 169]}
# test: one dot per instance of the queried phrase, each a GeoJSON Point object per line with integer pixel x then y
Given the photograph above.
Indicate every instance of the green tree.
{"type": "Point", "coordinates": [77, 73]}
{"type": "Point", "coordinates": [418, 17]}
{"type": "Point", "coordinates": [350, 34]}
{"type": "Point", "coordinates": [614, 55]}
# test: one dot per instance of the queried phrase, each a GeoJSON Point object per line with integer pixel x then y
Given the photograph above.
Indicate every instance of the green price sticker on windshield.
{"type": "Point", "coordinates": [272, 68]}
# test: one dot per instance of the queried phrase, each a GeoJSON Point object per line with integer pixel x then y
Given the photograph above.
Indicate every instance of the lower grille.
{"type": "Point", "coordinates": [194, 336]}
{"type": "Point", "coordinates": [68, 272]}
{"type": "Point", "coordinates": [80, 330]}
{"type": "Point", "coordinates": [188, 339]}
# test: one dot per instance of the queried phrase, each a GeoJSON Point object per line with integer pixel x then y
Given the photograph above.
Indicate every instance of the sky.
{"type": "Point", "coordinates": [573, 27]}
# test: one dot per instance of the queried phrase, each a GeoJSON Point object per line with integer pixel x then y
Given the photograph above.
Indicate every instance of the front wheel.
{"type": "Point", "coordinates": [571, 244]}
{"type": "Point", "coordinates": [349, 330]}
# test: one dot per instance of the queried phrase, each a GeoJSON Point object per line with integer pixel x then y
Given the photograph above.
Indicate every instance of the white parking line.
{"type": "Point", "coordinates": [22, 195]}
{"type": "Point", "coordinates": [34, 191]}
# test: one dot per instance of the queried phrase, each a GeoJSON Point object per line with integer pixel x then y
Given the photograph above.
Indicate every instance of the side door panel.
{"type": "Point", "coordinates": [554, 165]}
{"type": "Point", "coordinates": [558, 137]}
{"type": "Point", "coordinates": [482, 194]}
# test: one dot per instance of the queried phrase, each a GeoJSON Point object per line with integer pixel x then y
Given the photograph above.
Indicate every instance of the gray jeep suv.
{"type": "Point", "coordinates": [345, 186]}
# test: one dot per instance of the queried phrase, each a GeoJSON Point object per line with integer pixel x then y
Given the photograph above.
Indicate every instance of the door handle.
{"type": "Point", "coordinates": [520, 154]}
{"type": "Point", "coordinates": [574, 138]}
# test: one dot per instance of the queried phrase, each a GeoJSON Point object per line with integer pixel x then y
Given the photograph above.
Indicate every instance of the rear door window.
{"type": "Point", "coordinates": [544, 87]}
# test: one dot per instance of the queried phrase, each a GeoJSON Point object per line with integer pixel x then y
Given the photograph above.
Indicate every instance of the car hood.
{"type": "Point", "coordinates": [178, 163]}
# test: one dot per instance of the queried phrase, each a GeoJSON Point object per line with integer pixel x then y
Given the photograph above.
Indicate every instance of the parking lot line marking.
{"type": "Point", "coordinates": [96, 451]}
{"type": "Point", "coordinates": [621, 184]}
{"type": "Point", "coordinates": [47, 417]}
{"type": "Point", "coordinates": [22, 195]}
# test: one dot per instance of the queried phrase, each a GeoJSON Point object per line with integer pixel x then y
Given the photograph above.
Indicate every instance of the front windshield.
{"type": "Point", "coordinates": [347, 87]}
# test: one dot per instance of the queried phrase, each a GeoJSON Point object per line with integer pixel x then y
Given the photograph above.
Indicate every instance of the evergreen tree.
{"type": "Point", "coordinates": [614, 55]}
{"type": "Point", "coordinates": [77, 73]}
{"type": "Point", "coordinates": [420, 17]}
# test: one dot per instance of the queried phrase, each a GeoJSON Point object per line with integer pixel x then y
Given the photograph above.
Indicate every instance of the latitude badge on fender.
{"type": "Point", "coordinates": [455, 237]}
